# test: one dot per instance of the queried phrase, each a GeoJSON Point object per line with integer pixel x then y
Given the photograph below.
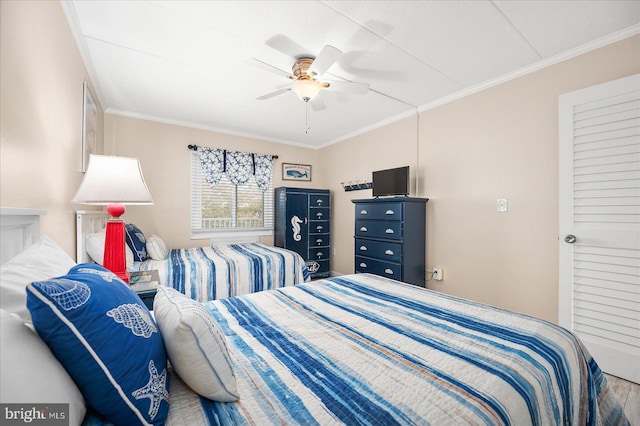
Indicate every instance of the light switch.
{"type": "Point", "coordinates": [501, 204]}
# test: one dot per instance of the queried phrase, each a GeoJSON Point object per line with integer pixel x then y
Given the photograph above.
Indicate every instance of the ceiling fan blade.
{"type": "Point", "coordinates": [327, 57]}
{"type": "Point", "coordinates": [285, 45]}
{"type": "Point", "coordinates": [317, 104]}
{"type": "Point", "coordinates": [349, 86]}
{"type": "Point", "coordinates": [271, 68]}
{"type": "Point", "coordinates": [272, 94]}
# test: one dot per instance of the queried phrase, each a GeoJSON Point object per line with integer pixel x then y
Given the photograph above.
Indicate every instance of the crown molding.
{"type": "Point", "coordinates": [552, 60]}
{"type": "Point", "coordinates": [580, 50]}
{"type": "Point", "coordinates": [191, 125]}
{"type": "Point", "coordinates": [377, 125]}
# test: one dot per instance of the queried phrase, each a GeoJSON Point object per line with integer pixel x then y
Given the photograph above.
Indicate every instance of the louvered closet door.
{"type": "Point", "coordinates": [600, 222]}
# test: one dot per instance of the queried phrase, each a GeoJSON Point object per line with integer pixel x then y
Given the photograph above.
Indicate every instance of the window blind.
{"type": "Point", "coordinates": [228, 207]}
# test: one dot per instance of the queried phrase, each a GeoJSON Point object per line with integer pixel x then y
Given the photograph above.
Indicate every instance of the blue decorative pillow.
{"type": "Point", "coordinates": [107, 340]}
{"type": "Point", "coordinates": [136, 242]}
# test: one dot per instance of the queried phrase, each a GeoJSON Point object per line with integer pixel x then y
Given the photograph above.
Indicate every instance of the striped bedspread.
{"type": "Point", "coordinates": [362, 349]}
{"type": "Point", "coordinates": [227, 270]}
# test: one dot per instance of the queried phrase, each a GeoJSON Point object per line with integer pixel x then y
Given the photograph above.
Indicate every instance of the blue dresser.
{"type": "Point", "coordinates": [390, 238]}
{"type": "Point", "coordinates": [303, 224]}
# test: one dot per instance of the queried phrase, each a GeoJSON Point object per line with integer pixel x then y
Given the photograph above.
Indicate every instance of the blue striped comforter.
{"type": "Point", "coordinates": [362, 349]}
{"type": "Point", "coordinates": [227, 270]}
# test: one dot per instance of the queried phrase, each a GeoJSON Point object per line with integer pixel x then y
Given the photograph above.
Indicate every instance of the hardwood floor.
{"type": "Point", "coordinates": [629, 396]}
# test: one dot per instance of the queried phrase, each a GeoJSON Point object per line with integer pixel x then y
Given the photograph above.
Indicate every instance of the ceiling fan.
{"type": "Point", "coordinates": [306, 74]}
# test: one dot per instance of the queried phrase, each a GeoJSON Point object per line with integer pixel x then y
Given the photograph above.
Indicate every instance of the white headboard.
{"type": "Point", "coordinates": [87, 222]}
{"type": "Point", "coordinates": [19, 228]}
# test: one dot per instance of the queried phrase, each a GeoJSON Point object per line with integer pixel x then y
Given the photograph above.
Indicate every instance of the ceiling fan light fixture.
{"type": "Point", "coordinates": [306, 89]}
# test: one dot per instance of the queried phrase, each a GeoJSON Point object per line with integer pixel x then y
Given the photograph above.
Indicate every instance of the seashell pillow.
{"type": "Point", "coordinates": [136, 241]}
{"type": "Point", "coordinates": [107, 340]}
{"type": "Point", "coordinates": [156, 248]}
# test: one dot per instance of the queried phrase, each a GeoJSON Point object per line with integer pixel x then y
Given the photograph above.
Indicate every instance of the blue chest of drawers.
{"type": "Point", "coordinates": [303, 224]}
{"type": "Point", "coordinates": [390, 238]}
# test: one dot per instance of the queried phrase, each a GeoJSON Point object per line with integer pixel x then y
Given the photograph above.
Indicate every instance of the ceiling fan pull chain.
{"type": "Point", "coordinates": [306, 130]}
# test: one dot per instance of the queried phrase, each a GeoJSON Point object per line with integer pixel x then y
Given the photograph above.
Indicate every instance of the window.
{"type": "Point", "coordinates": [238, 210]}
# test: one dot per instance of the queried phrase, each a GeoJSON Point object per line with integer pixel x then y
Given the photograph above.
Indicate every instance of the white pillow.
{"type": "Point", "coordinates": [43, 260]}
{"type": "Point", "coordinates": [195, 344]}
{"type": "Point", "coordinates": [30, 373]}
{"type": "Point", "coordinates": [94, 244]}
{"type": "Point", "coordinates": [156, 248]}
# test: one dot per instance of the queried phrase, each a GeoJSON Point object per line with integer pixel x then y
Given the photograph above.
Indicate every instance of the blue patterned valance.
{"type": "Point", "coordinates": [238, 166]}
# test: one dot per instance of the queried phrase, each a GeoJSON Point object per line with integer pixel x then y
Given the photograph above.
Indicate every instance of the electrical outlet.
{"type": "Point", "coordinates": [437, 274]}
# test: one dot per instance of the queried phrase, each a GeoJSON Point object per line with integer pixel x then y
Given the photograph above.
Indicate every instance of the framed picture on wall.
{"type": "Point", "coordinates": [296, 172]}
{"type": "Point", "coordinates": [89, 126]}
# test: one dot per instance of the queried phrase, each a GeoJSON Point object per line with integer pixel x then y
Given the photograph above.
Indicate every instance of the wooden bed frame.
{"type": "Point", "coordinates": [19, 228]}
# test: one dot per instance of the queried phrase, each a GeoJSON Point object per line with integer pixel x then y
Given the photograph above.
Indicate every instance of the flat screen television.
{"type": "Point", "coordinates": [391, 182]}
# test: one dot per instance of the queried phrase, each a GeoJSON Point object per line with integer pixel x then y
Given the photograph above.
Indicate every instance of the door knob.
{"type": "Point", "coordinates": [570, 239]}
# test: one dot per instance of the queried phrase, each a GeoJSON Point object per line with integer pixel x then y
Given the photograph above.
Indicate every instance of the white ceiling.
{"type": "Point", "coordinates": [190, 62]}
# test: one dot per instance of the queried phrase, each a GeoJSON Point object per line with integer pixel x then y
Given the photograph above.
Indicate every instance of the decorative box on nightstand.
{"type": "Point", "coordinates": [145, 284]}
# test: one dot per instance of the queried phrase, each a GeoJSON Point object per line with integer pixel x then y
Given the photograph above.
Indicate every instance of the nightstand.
{"type": "Point", "coordinates": [145, 284]}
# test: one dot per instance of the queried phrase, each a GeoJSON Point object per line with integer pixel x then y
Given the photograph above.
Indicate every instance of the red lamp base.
{"type": "Point", "coordinates": [114, 250]}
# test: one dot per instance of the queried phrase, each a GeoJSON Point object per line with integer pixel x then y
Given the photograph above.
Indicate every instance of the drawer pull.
{"type": "Point", "coordinates": [319, 241]}
{"type": "Point", "coordinates": [363, 248]}
{"type": "Point", "coordinates": [363, 265]}
{"type": "Point", "coordinates": [319, 227]}
{"type": "Point", "coordinates": [319, 201]}
{"type": "Point", "coordinates": [389, 252]}
{"type": "Point", "coordinates": [319, 214]}
{"type": "Point", "coordinates": [319, 255]}
{"type": "Point", "coordinates": [389, 231]}
{"type": "Point", "coordinates": [364, 211]}
{"type": "Point", "coordinates": [389, 212]}
{"type": "Point", "coordinates": [364, 229]}
{"type": "Point", "coordinates": [388, 271]}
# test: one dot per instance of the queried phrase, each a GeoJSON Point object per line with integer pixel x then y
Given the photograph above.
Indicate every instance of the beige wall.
{"type": "Point", "coordinates": [498, 143]}
{"type": "Point", "coordinates": [390, 146]}
{"type": "Point", "coordinates": [41, 80]}
{"type": "Point", "coordinates": [166, 164]}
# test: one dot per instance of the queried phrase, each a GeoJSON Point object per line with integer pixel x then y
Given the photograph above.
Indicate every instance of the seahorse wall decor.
{"type": "Point", "coordinates": [295, 228]}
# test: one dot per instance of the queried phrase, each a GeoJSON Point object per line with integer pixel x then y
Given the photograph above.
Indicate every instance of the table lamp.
{"type": "Point", "coordinates": [114, 181]}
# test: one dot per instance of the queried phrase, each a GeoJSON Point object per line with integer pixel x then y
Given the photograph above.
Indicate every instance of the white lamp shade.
{"type": "Point", "coordinates": [306, 89]}
{"type": "Point", "coordinates": [111, 179]}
